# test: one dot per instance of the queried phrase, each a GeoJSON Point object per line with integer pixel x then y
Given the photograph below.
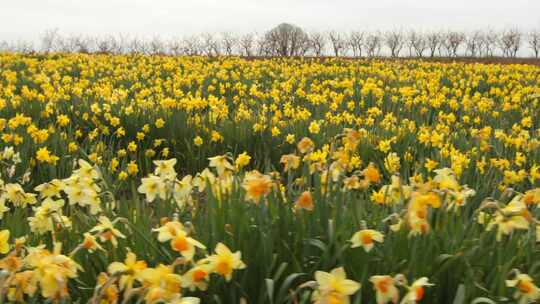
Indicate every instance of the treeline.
{"type": "Point", "coordinates": [290, 40]}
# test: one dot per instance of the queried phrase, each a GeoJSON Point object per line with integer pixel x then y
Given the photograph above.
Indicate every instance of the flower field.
{"type": "Point", "coordinates": [155, 179]}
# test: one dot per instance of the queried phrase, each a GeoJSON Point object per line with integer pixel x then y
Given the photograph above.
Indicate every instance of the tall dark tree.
{"type": "Point", "coordinates": [286, 40]}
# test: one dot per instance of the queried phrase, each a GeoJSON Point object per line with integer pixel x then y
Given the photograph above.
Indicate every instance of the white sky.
{"type": "Point", "coordinates": [28, 19]}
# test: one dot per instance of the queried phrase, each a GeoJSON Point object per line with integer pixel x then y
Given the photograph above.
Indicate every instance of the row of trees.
{"type": "Point", "coordinates": [290, 40]}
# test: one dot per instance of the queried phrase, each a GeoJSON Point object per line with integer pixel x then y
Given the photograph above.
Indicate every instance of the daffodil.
{"type": "Point", "coordinates": [129, 271]}
{"type": "Point", "coordinates": [106, 231]}
{"type": "Point", "coordinates": [109, 292]}
{"type": "Point", "coordinates": [446, 179]}
{"type": "Point", "coordinates": [385, 289]}
{"type": "Point", "coordinates": [290, 161]}
{"type": "Point", "coordinates": [4, 241]}
{"type": "Point", "coordinates": [242, 160]}
{"type": "Point", "coordinates": [52, 270]}
{"type": "Point", "coordinates": [169, 231]}
{"type": "Point", "coordinates": [416, 291]}
{"type": "Point", "coordinates": [197, 277]}
{"type": "Point", "coordinates": [198, 141]}
{"type": "Point", "coordinates": [371, 174]}
{"type": "Point", "coordinates": [224, 261]}
{"type": "Point", "coordinates": [305, 145]}
{"type": "Point", "coordinates": [16, 194]}
{"type": "Point", "coordinates": [3, 207]}
{"type": "Point", "coordinates": [334, 287]}
{"type": "Point", "coordinates": [366, 238]}
{"type": "Point", "coordinates": [86, 170]}
{"type": "Point", "coordinates": [221, 163]}
{"type": "Point", "coordinates": [161, 283]}
{"type": "Point", "coordinates": [48, 216]}
{"type": "Point", "coordinates": [153, 186]}
{"type": "Point", "coordinates": [526, 290]}
{"type": "Point", "coordinates": [185, 245]}
{"type": "Point", "coordinates": [90, 243]}
{"type": "Point", "coordinates": [165, 168]}
{"type": "Point", "coordinates": [257, 185]}
{"type": "Point", "coordinates": [513, 216]}
{"type": "Point", "coordinates": [50, 189]}
{"type": "Point", "coordinates": [182, 190]}
{"type": "Point", "coordinates": [305, 201]}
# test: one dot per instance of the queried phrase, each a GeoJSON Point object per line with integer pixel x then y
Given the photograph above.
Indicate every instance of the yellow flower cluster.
{"type": "Point", "coordinates": [121, 179]}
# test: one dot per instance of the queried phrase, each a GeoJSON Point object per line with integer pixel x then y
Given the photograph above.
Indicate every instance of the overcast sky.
{"type": "Point", "coordinates": [28, 19]}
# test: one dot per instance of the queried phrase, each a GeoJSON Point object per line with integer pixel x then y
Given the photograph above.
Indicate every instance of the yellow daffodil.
{"type": "Point", "coordinates": [129, 270]}
{"type": "Point", "coordinates": [153, 186]}
{"type": "Point", "coordinates": [4, 239]}
{"type": "Point", "coordinates": [224, 261]}
{"type": "Point", "coordinates": [107, 232]}
{"type": "Point", "coordinates": [416, 291]}
{"type": "Point", "coordinates": [305, 201]}
{"type": "Point", "coordinates": [385, 289]}
{"type": "Point", "coordinates": [526, 290]}
{"type": "Point", "coordinates": [242, 160]}
{"type": "Point", "coordinates": [257, 185]}
{"type": "Point", "coordinates": [366, 238]}
{"type": "Point", "coordinates": [221, 163]}
{"type": "Point", "coordinates": [334, 287]}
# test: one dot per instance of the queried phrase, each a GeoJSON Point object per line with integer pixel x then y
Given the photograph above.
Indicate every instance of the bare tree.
{"type": "Point", "coordinates": [263, 45]}
{"type": "Point", "coordinates": [373, 44]}
{"type": "Point", "coordinates": [246, 43]}
{"type": "Point", "coordinates": [473, 43]}
{"type": "Point", "coordinates": [452, 42]}
{"type": "Point", "coordinates": [192, 45]}
{"type": "Point", "coordinates": [433, 41]}
{"type": "Point", "coordinates": [24, 47]}
{"type": "Point", "coordinates": [74, 44]}
{"type": "Point", "coordinates": [137, 46]}
{"type": "Point", "coordinates": [210, 45]}
{"type": "Point", "coordinates": [356, 42]}
{"type": "Point", "coordinates": [417, 43]}
{"type": "Point", "coordinates": [104, 45]}
{"type": "Point", "coordinates": [175, 47]}
{"type": "Point", "coordinates": [120, 43]}
{"type": "Point", "coordinates": [394, 40]}
{"type": "Point", "coordinates": [338, 42]}
{"type": "Point", "coordinates": [156, 46]}
{"type": "Point", "coordinates": [304, 46]}
{"type": "Point", "coordinates": [510, 42]}
{"type": "Point", "coordinates": [229, 42]}
{"type": "Point", "coordinates": [49, 40]}
{"type": "Point", "coordinates": [86, 44]}
{"type": "Point", "coordinates": [110, 44]}
{"type": "Point", "coordinates": [317, 41]}
{"type": "Point", "coordinates": [290, 40]}
{"type": "Point", "coordinates": [490, 40]}
{"type": "Point", "coordinates": [4, 46]}
{"type": "Point", "coordinates": [65, 44]}
{"type": "Point", "coordinates": [534, 42]}
{"type": "Point", "coordinates": [286, 40]}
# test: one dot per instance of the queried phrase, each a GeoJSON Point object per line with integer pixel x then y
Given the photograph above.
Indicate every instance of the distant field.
{"type": "Point", "coordinates": [469, 60]}
{"type": "Point", "coordinates": [231, 180]}
{"type": "Point", "coordinates": [494, 60]}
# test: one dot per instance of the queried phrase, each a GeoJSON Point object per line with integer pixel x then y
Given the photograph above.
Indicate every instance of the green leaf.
{"type": "Point", "coordinates": [460, 295]}
{"type": "Point", "coordinates": [270, 289]}
{"type": "Point", "coordinates": [280, 271]}
{"type": "Point", "coordinates": [484, 300]}
{"type": "Point", "coordinates": [318, 243]}
{"type": "Point", "coordinates": [287, 285]}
